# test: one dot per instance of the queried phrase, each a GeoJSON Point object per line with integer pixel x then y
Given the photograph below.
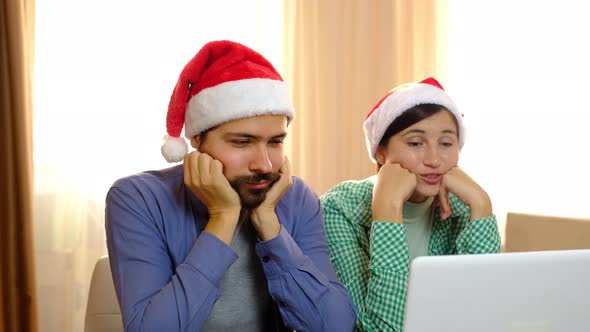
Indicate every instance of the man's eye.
{"type": "Point", "coordinates": [414, 144]}
{"type": "Point", "coordinates": [446, 144]}
{"type": "Point", "coordinates": [276, 141]}
{"type": "Point", "coordinates": [240, 142]}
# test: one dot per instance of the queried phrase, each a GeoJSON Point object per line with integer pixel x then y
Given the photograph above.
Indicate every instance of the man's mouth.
{"type": "Point", "coordinates": [256, 181]}
{"type": "Point", "coordinates": [262, 184]}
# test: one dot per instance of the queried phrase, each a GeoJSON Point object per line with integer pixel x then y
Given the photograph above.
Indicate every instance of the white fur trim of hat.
{"type": "Point", "coordinates": [399, 100]}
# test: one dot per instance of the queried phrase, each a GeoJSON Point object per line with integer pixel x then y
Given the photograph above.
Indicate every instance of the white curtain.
{"type": "Point", "coordinates": [342, 57]}
{"type": "Point", "coordinates": [104, 73]}
{"type": "Point", "coordinates": [519, 71]}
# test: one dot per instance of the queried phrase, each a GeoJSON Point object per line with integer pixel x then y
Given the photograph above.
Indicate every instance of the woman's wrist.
{"type": "Point", "coordinates": [392, 212]}
{"type": "Point", "coordinates": [481, 208]}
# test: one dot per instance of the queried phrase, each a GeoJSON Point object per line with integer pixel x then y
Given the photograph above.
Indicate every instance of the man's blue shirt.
{"type": "Point", "coordinates": [167, 270]}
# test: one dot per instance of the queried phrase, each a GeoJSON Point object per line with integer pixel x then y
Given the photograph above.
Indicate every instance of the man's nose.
{"type": "Point", "coordinates": [260, 162]}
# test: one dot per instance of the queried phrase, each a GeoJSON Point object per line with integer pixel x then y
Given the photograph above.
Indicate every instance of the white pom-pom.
{"type": "Point", "coordinates": [174, 148]}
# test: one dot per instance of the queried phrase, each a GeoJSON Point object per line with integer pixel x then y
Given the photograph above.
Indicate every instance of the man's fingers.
{"type": "Point", "coordinates": [216, 170]}
{"type": "Point", "coordinates": [191, 167]}
{"type": "Point", "coordinates": [286, 165]}
{"type": "Point", "coordinates": [286, 168]}
{"type": "Point", "coordinates": [203, 166]}
{"type": "Point", "coordinates": [187, 169]}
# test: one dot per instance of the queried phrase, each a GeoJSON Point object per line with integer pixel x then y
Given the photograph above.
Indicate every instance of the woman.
{"type": "Point", "coordinates": [419, 203]}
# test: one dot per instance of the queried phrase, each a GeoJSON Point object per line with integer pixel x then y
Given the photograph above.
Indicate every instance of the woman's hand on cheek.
{"type": "Point", "coordinates": [467, 190]}
{"type": "Point", "coordinates": [393, 187]}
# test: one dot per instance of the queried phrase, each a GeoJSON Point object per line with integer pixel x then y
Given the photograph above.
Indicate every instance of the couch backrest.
{"type": "Point", "coordinates": [529, 232]}
{"type": "Point", "coordinates": [102, 311]}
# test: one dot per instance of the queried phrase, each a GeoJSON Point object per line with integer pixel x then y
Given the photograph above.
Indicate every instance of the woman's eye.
{"type": "Point", "coordinates": [446, 144]}
{"type": "Point", "coordinates": [414, 144]}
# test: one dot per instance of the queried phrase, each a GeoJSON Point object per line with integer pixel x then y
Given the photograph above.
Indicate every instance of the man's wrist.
{"type": "Point", "coordinates": [265, 222]}
{"type": "Point", "coordinates": [227, 214]}
{"type": "Point", "coordinates": [222, 224]}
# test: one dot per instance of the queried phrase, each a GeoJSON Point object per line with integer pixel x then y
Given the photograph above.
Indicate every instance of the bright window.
{"type": "Point", "coordinates": [519, 71]}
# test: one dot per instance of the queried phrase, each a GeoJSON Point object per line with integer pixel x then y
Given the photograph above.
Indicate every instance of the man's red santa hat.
{"type": "Point", "coordinates": [224, 81]}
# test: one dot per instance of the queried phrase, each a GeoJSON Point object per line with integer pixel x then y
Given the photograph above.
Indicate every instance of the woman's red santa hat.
{"type": "Point", "coordinates": [401, 99]}
{"type": "Point", "coordinates": [224, 81]}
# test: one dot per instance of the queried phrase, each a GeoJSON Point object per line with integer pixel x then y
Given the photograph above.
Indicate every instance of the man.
{"type": "Point", "coordinates": [228, 239]}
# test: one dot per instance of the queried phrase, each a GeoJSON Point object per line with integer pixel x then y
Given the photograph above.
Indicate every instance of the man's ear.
{"type": "Point", "coordinates": [196, 141]}
{"type": "Point", "coordinates": [380, 154]}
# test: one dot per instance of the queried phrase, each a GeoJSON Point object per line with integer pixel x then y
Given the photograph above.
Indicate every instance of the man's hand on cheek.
{"type": "Point", "coordinates": [264, 217]}
{"type": "Point", "coordinates": [279, 188]}
{"type": "Point", "coordinates": [204, 176]}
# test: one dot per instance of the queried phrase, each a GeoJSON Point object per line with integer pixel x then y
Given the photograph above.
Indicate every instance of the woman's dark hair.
{"type": "Point", "coordinates": [408, 118]}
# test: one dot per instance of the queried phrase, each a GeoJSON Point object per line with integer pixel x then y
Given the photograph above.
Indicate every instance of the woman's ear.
{"type": "Point", "coordinates": [380, 154]}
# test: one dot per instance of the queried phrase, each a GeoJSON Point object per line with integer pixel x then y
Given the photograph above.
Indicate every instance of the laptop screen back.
{"type": "Point", "coordinates": [545, 291]}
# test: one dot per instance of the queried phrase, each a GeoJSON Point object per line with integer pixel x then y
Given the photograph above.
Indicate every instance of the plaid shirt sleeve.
{"type": "Point", "coordinates": [370, 258]}
{"type": "Point", "coordinates": [459, 235]}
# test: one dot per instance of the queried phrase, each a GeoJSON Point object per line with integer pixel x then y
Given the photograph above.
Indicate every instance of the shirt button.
{"type": "Point", "coordinates": [265, 259]}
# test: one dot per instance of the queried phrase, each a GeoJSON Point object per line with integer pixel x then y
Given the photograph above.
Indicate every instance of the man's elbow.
{"type": "Point", "coordinates": [339, 314]}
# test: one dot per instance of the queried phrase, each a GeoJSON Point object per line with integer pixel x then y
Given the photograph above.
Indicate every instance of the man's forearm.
{"type": "Point", "coordinates": [266, 223]}
{"type": "Point", "coordinates": [308, 298]}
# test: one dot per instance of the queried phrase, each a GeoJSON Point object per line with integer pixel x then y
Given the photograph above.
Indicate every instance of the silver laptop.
{"type": "Point", "coordinates": [542, 291]}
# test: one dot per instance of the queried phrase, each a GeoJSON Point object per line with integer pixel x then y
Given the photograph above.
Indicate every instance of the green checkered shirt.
{"type": "Point", "coordinates": [371, 257]}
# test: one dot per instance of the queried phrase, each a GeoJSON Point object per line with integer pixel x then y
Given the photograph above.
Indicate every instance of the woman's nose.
{"type": "Point", "coordinates": [432, 157]}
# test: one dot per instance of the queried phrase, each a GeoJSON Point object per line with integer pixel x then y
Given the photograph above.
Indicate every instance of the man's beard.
{"type": "Point", "coordinates": [252, 198]}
